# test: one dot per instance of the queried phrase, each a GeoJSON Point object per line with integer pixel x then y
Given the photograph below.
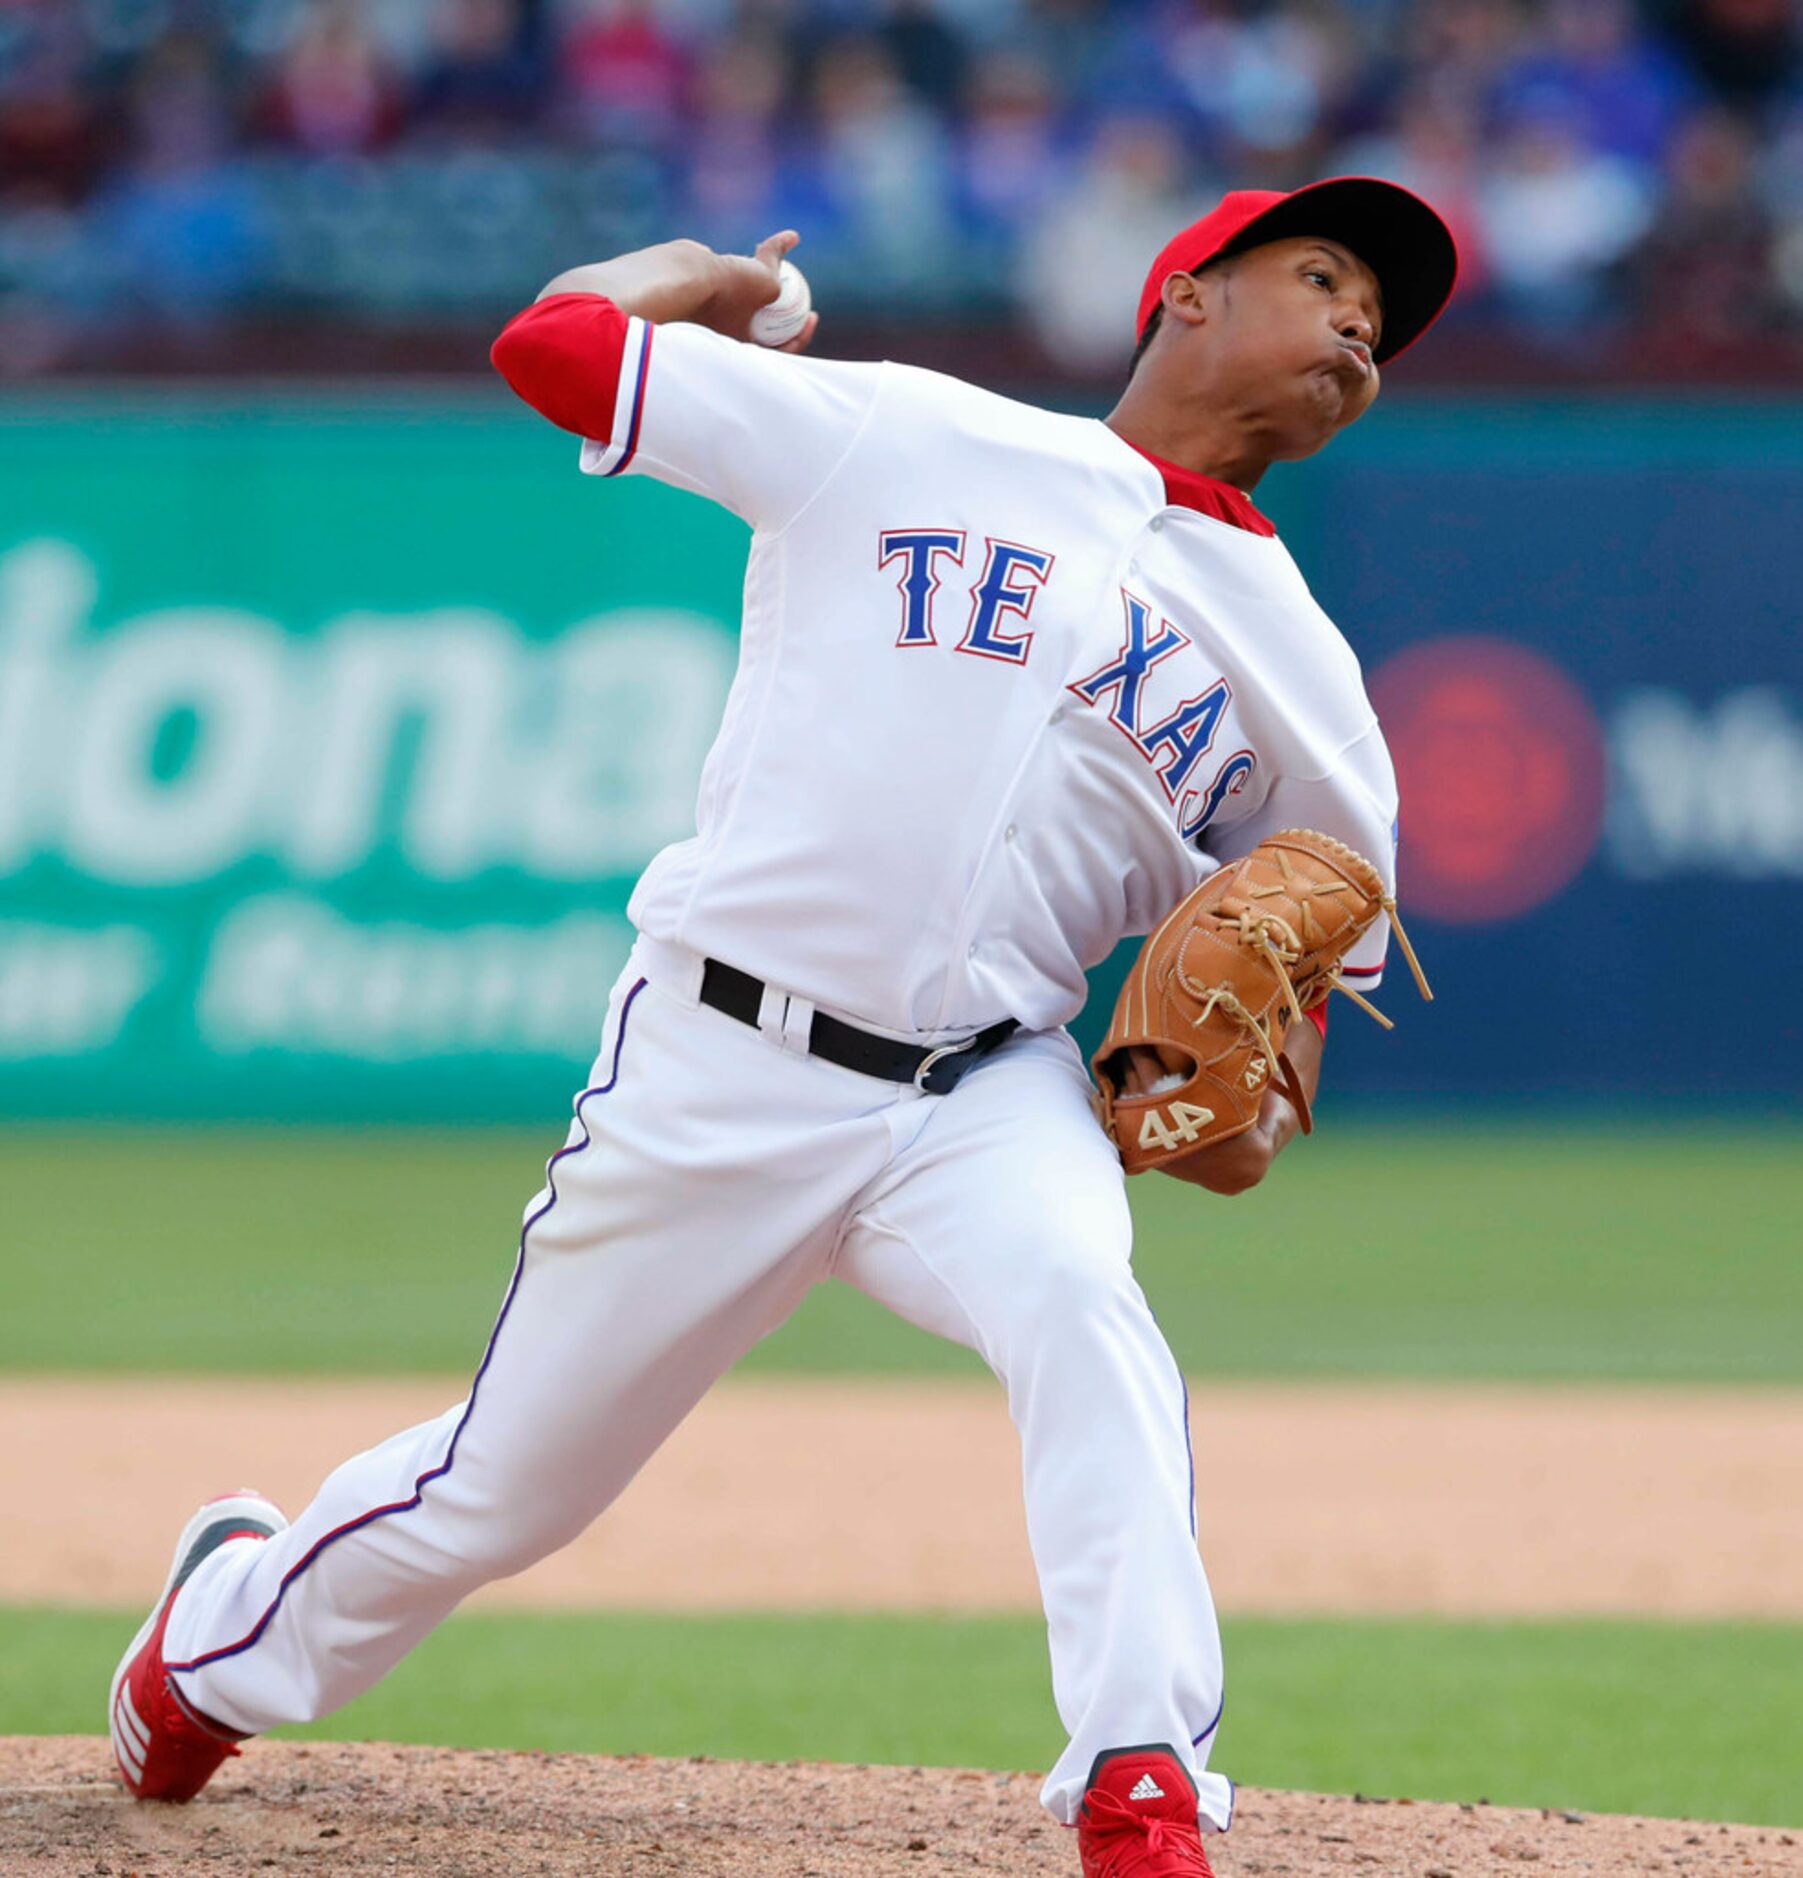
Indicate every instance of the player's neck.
{"type": "Point", "coordinates": [1210, 440]}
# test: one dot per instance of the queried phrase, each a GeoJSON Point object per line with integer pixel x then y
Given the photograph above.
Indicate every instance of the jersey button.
{"type": "Point", "coordinates": [972, 950]}
{"type": "Point", "coordinates": [1157, 523]}
{"type": "Point", "coordinates": [1010, 832]}
{"type": "Point", "coordinates": [1133, 567]}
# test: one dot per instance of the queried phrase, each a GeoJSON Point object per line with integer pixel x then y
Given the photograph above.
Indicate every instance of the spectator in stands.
{"type": "Point", "coordinates": [879, 173]}
{"type": "Point", "coordinates": [1064, 38]}
{"type": "Point", "coordinates": [1461, 48]}
{"type": "Point", "coordinates": [1557, 216]}
{"type": "Point", "coordinates": [737, 149]}
{"type": "Point", "coordinates": [1433, 148]}
{"type": "Point", "coordinates": [930, 56]}
{"type": "Point", "coordinates": [1780, 166]}
{"type": "Point", "coordinates": [1128, 67]}
{"type": "Point", "coordinates": [1265, 86]}
{"type": "Point", "coordinates": [626, 75]}
{"type": "Point", "coordinates": [179, 228]}
{"type": "Point", "coordinates": [1014, 155]}
{"type": "Point", "coordinates": [1747, 51]}
{"type": "Point", "coordinates": [1704, 269]}
{"type": "Point", "coordinates": [484, 77]}
{"type": "Point", "coordinates": [1088, 252]}
{"type": "Point", "coordinates": [927, 148]}
{"type": "Point", "coordinates": [1619, 89]}
{"type": "Point", "coordinates": [334, 92]}
{"type": "Point", "coordinates": [52, 141]}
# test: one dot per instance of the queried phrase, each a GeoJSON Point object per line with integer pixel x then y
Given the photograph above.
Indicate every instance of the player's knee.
{"type": "Point", "coordinates": [482, 1542]}
{"type": "Point", "coordinates": [1077, 1279]}
{"type": "Point", "coordinates": [497, 1553]}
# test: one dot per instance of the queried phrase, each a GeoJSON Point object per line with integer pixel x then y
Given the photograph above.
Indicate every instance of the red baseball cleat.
{"type": "Point", "coordinates": [165, 1749]}
{"type": "Point", "coordinates": [1138, 1818]}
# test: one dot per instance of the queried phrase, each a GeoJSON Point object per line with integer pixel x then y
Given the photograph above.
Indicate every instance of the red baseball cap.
{"type": "Point", "coordinates": [1403, 242]}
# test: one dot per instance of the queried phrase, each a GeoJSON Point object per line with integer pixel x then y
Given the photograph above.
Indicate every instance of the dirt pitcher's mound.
{"type": "Point", "coordinates": [436, 1812]}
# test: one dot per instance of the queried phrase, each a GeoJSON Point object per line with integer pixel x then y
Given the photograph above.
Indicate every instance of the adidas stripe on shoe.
{"type": "Point", "coordinates": [165, 1749]}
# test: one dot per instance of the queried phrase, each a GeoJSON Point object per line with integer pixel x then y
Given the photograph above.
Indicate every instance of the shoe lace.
{"type": "Point", "coordinates": [1131, 1841]}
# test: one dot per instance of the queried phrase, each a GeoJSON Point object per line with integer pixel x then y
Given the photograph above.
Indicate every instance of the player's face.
{"type": "Point", "coordinates": [1294, 324]}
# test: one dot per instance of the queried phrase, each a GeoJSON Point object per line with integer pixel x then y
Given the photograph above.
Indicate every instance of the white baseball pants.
{"type": "Point", "coordinates": [712, 1175]}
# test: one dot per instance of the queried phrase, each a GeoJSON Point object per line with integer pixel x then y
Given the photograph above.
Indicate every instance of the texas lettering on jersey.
{"type": "Point", "coordinates": [1013, 574]}
{"type": "Point", "coordinates": [1010, 582]}
{"type": "Point", "coordinates": [1176, 743]}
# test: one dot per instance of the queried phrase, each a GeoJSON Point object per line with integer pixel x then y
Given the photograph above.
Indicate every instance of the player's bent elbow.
{"type": "Point", "coordinates": [530, 366]}
{"type": "Point", "coordinates": [563, 359]}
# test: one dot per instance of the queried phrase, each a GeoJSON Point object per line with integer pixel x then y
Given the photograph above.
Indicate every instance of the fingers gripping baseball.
{"type": "Point", "coordinates": [749, 283]}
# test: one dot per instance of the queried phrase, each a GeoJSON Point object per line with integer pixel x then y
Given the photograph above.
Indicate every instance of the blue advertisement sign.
{"type": "Point", "coordinates": [1583, 631]}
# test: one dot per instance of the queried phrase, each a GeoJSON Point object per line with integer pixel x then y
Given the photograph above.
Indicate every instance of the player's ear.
{"type": "Point", "coordinates": [1184, 298]}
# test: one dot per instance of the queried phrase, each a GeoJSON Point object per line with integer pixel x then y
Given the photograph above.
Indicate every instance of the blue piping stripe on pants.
{"type": "Point", "coordinates": [444, 1466]}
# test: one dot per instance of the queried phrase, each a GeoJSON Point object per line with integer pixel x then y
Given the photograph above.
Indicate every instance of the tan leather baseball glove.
{"type": "Point", "coordinates": [1199, 1028]}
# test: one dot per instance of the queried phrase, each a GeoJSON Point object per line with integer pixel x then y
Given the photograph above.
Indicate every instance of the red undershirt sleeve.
{"type": "Point", "coordinates": [562, 356]}
{"type": "Point", "coordinates": [759, 431]}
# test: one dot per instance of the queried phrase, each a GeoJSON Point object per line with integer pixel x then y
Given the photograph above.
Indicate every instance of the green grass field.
{"type": "Point", "coordinates": [1697, 1721]}
{"type": "Point", "coordinates": [1508, 1253]}
{"type": "Point", "coordinates": [1504, 1252]}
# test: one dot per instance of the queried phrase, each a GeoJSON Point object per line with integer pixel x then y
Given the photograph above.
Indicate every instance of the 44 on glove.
{"type": "Point", "coordinates": [1199, 1028]}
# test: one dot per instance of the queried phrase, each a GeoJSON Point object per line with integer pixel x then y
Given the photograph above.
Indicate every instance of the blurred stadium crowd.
{"type": "Point", "coordinates": [1614, 170]}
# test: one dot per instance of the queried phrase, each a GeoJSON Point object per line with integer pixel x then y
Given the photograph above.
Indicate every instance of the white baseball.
{"type": "Point", "coordinates": [785, 316]}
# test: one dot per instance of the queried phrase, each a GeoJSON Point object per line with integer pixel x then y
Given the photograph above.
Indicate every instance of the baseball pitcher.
{"type": "Point", "coordinates": [1012, 686]}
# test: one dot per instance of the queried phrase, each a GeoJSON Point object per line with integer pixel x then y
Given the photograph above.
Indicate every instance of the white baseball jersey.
{"type": "Point", "coordinates": [1008, 687]}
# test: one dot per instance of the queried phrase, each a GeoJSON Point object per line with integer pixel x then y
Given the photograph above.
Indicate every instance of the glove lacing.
{"type": "Point", "coordinates": [1387, 901]}
{"type": "Point", "coordinates": [1272, 935]}
{"type": "Point", "coordinates": [1223, 997]}
{"type": "Point", "coordinates": [1336, 983]}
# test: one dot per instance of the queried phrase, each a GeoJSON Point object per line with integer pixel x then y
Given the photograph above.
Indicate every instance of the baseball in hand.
{"type": "Point", "coordinates": [785, 316]}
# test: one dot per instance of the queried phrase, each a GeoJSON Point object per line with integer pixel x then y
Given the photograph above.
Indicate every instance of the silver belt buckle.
{"type": "Point", "coordinates": [935, 1056]}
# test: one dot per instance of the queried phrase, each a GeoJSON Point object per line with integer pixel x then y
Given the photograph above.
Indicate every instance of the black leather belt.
{"type": "Point", "coordinates": [937, 1071]}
